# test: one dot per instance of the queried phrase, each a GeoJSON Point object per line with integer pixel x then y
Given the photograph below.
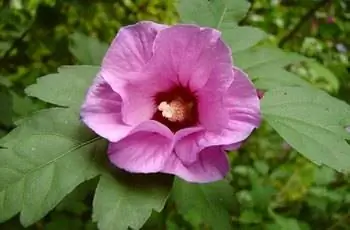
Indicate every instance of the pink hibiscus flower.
{"type": "Point", "coordinates": [168, 99]}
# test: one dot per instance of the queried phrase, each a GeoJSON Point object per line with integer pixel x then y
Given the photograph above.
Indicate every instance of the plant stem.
{"type": "Point", "coordinates": [301, 22]}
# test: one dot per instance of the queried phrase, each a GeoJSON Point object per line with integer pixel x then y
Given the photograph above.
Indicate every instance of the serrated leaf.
{"type": "Point", "coordinates": [11, 200]}
{"type": "Point", "coordinates": [211, 201]}
{"type": "Point", "coordinates": [213, 13]}
{"type": "Point", "coordinates": [266, 67]}
{"type": "Point", "coordinates": [88, 50]}
{"type": "Point", "coordinates": [224, 16]}
{"type": "Point", "coordinates": [65, 88]}
{"type": "Point", "coordinates": [262, 56]}
{"type": "Point", "coordinates": [44, 159]}
{"type": "Point", "coordinates": [312, 122]}
{"type": "Point", "coordinates": [75, 202]}
{"type": "Point", "coordinates": [271, 77]}
{"type": "Point", "coordinates": [61, 121]}
{"type": "Point", "coordinates": [23, 105]}
{"type": "Point", "coordinates": [128, 200]}
{"type": "Point", "coordinates": [242, 37]}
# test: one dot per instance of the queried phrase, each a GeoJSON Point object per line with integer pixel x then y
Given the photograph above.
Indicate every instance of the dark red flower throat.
{"type": "Point", "coordinates": [176, 108]}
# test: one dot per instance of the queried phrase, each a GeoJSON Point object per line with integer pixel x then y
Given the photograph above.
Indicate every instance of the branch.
{"type": "Point", "coordinates": [15, 43]}
{"type": "Point", "coordinates": [301, 22]}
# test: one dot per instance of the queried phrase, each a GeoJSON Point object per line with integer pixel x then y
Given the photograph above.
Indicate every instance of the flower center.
{"type": "Point", "coordinates": [176, 111]}
{"type": "Point", "coordinates": [176, 108]}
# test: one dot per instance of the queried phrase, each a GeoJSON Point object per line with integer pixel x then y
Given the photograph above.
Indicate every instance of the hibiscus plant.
{"type": "Point", "coordinates": [158, 113]}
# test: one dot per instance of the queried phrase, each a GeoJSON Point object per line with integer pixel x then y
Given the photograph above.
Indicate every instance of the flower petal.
{"type": "Point", "coordinates": [211, 98]}
{"type": "Point", "coordinates": [101, 111]}
{"type": "Point", "coordinates": [243, 104]}
{"type": "Point", "coordinates": [138, 105]}
{"type": "Point", "coordinates": [132, 47]}
{"type": "Point", "coordinates": [129, 52]}
{"type": "Point", "coordinates": [188, 53]}
{"type": "Point", "coordinates": [212, 165]}
{"type": "Point", "coordinates": [243, 109]}
{"type": "Point", "coordinates": [137, 91]}
{"type": "Point", "coordinates": [186, 148]}
{"type": "Point", "coordinates": [233, 146]}
{"type": "Point", "coordinates": [237, 114]}
{"type": "Point", "coordinates": [145, 150]}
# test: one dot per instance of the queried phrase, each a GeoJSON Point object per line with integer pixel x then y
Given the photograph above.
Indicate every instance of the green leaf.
{"type": "Point", "coordinates": [286, 223]}
{"type": "Point", "coordinates": [128, 200]}
{"type": "Point", "coordinates": [262, 56]}
{"type": "Point", "coordinates": [242, 37]}
{"type": "Point", "coordinates": [44, 159]}
{"type": "Point", "coordinates": [23, 105]}
{"type": "Point", "coordinates": [312, 122]}
{"type": "Point", "coordinates": [250, 217]}
{"type": "Point", "coordinates": [213, 13]}
{"type": "Point", "coordinates": [211, 201]}
{"type": "Point", "coordinates": [323, 75]}
{"type": "Point", "coordinates": [4, 46]}
{"type": "Point", "coordinates": [75, 202]}
{"type": "Point", "coordinates": [88, 50]}
{"type": "Point", "coordinates": [61, 121]}
{"type": "Point", "coordinates": [5, 82]}
{"type": "Point", "coordinates": [223, 15]}
{"type": "Point", "coordinates": [324, 176]}
{"type": "Point", "coordinates": [266, 67]}
{"type": "Point", "coordinates": [65, 88]}
{"type": "Point", "coordinates": [271, 77]}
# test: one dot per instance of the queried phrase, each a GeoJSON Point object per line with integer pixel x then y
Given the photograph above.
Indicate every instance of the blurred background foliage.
{"type": "Point", "coordinates": [274, 187]}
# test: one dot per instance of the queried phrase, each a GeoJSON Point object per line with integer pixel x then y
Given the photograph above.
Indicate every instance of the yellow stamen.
{"type": "Point", "coordinates": [175, 111]}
